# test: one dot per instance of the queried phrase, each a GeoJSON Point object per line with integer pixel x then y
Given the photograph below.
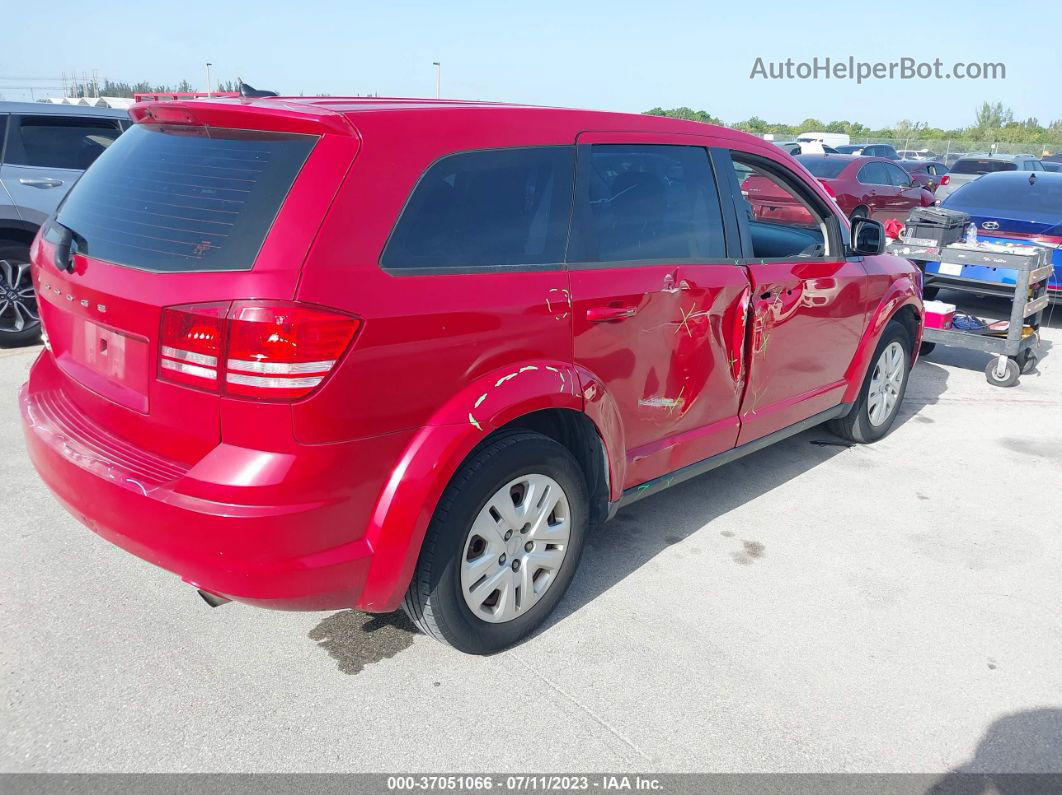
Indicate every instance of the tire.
{"type": "Point", "coordinates": [859, 212]}
{"type": "Point", "coordinates": [860, 425]}
{"type": "Point", "coordinates": [930, 293]}
{"type": "Point", "coordinates": [22, 311]}
{"type": "Point", "coordinates": [927, 348]}
{"type": "Point", "coordinates": [455, 553]}
{"type": "Point", "coordinates": [1010, 377]}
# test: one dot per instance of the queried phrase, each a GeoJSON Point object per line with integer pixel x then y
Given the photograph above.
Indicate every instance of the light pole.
{"type": "Point", "coordinates": [209, 92]}
{"type": "Point", "coordinates": [438, 78]}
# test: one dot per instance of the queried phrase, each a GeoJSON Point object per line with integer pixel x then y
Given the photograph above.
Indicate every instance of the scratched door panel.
{"type": "Point", "coordinates": [649, 307]}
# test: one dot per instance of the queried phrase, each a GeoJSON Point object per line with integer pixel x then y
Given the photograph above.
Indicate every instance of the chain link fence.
{"type": "Point", "coordinates": [942, 147]}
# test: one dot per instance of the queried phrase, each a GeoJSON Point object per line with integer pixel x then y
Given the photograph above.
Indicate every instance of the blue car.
{"type": "Point", "coordinates": [1023, 207]}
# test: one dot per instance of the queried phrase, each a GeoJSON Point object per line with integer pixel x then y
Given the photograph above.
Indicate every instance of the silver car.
{"type": "Point", "coordinates": [43, 150]}
{"type": "Point", "coordinates": [967, 169]}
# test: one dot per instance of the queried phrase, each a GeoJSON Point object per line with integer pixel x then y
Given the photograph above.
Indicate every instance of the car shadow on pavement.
{"type": "Point", "coordinates": [1018, 754]}
{"type": "Point", "coordinates": [356, 639]}
{"type": "Point", "coordinates": [640, 532]}
{"type": "Point", "coordinates": [620, 547]}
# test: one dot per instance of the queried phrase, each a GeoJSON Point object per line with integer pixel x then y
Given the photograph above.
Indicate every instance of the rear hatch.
{"type": "Point", "coordinates": [199, 203]}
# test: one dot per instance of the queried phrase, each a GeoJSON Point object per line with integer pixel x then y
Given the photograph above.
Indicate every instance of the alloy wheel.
{"type": "Point", "coordinates": [515, 548]}
{"type": "Point", "coordinates": [885, 384]}
{"type": "Point", "coordinates": [18, 301]}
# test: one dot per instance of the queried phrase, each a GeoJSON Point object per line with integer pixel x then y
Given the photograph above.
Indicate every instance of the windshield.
{"type": "Point", "coordinates": [184, 198]}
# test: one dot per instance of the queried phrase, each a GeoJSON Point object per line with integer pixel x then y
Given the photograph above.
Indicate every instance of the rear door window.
{"type": "Point", "coordinates": [897, 176]}
{"type": "Point", "coordinates": [497, 207]}
{"type": "Point", "coordinates": [651, 202]}
{"type": "Point", "coordinates": [184, 198]}
{"type": "Point", "coordinates": [68, 142]}
{"type": "Point", "coordinates": [874, 174]}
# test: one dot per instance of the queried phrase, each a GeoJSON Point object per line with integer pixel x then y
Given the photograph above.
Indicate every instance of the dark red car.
{"type": "Point", "coordinates": [328, 353]}
{"type": "Point", "coordinates": [925, 173]}
{"type": "Point", "coordinates": [868, 187]}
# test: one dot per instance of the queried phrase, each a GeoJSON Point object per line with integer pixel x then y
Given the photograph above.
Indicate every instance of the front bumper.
{"type": "Point", "coordinates": [292, 554]}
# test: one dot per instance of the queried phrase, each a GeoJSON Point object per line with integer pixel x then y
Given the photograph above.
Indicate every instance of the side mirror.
{"type": "Point", "coordinates": [868, 238]}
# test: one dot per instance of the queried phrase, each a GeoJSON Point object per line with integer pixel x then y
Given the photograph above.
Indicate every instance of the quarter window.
{"type": "Point", "coordinates": [650, 202]}
{"type": "Point", "coordinates": [488, 208]}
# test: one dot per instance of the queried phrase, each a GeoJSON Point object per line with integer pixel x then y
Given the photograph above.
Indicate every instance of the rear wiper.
{"type": "Point", "coordinates": [66, 246]}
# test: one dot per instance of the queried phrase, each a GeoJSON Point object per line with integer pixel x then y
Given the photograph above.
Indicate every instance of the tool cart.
{"type": "Point", "coordinates": [1013, 347]}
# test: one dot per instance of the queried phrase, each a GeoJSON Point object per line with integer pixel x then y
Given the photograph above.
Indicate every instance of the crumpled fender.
{"type": "Point", "coordinates": [902, 292]}
{"type": "Point", "coordinates": [405, 506]}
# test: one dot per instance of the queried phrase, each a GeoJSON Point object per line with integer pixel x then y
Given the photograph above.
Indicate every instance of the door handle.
{"type": "Point", "coordinates": [604, 314]}
{"type": "Point", "coordinates": [40, 182]}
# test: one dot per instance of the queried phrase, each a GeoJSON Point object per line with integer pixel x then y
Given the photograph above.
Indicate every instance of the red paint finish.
{"type": "Point", "coordinates": [321, 500]}
{"type": "Point", "coordinates": [807, 320]}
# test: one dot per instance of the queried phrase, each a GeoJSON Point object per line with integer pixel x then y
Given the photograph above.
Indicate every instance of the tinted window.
{"type": "Point", "coordinates": [1033, 165]}
{"type": "Point", "coordinates": [59, 141]}
{"type": "Point", "coordinates": [897, 176]}
{"type": "Point", "coordinates": [1010, 195]}
{"type": "Point", "coordinates": [184, 198]}
{"type": "Point", "coordinates": [823, 167]}
{"type": "Point", "coordinates": [976, 166]}
{"type": "Point", "coordinates": [652, 202]}
{"type": "Point", "coordinates": [493, 207]}
{"type": "Point", "coordinates": [874, 174]}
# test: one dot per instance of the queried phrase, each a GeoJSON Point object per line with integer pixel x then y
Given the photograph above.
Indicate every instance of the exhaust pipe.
{"type": "Point", "coordinates": [212, 599]}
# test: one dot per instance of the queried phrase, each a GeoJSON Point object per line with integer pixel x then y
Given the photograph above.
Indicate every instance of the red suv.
{"type": "Point", "coordinates": [329, 353]}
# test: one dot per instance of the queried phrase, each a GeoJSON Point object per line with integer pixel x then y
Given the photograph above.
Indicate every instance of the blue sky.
{"type": "Point", "coordinates": [594, 54]}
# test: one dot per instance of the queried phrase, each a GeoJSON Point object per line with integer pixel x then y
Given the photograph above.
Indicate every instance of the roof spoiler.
{"type": "Point", "coordinates": [251, 114]}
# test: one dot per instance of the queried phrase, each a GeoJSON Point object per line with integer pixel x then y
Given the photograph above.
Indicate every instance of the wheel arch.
{"type": "Point", "coordinates": [17, 231]}
{"type": "Point", "coordinates": [545, 397]}
{"type": "Point", "coordinates": [900, 302]}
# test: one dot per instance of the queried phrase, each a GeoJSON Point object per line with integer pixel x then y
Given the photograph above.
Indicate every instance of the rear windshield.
{"type": "Point", "coordinates": [823, 167]}
{"type": "Point", "coordinates": [184, 198]}
{"type": "Point", "coordinates": [1009, 195]}
{"type": "Point", "coordinates": [983, 166]}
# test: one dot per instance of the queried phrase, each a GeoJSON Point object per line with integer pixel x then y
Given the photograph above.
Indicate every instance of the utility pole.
{"type": "Point", "coordinates": [208, 88]}
{"type": "Point", "coordinates": [438, 78]}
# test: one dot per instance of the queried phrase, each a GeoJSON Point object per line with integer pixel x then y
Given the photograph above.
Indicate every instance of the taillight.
{"type": "Point", "coordinates": [273, 350]}
{"type": "Point", "coordinates": [945, 180]}
{"type": "Point", "coordinates": [829, 190]}
{"type": "Point", "coordinates": [191, 344]}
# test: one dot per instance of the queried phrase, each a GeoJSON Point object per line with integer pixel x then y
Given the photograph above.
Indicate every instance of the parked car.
{"type": "Point", "coordinates": [825, 138]}
{"type": "Point", "coordinates": [417, 382]}
{"type": "Point", "coordinates": [1051, 165]}
{"type": "Point", "coordinates": [1007, 207]}
{"type": "Point", "coordinates": [796, 148]}
{"type": "Point", "coordinates": [926, 173]}
{"type": "Point", "coordinates": [47, 148]}
{"type": "Point", "coordinates": [868, 187]}
{"type": "Point", "coordinates": [952, 157]}
{"type": "Point", "coordinates": [917, 154]}
{"type": "Point", "coordinates": [967, 169]}
{"type": "Point", "coordinates": [870, 150]}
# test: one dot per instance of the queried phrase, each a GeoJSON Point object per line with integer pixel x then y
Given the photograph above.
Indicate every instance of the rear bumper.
{"type": "Point", "coordinates": [300, 551]}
